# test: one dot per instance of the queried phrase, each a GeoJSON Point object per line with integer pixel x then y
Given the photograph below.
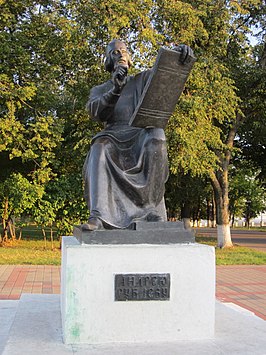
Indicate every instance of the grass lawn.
{"type": "Point", "coordinates": [235, 256]}
{"type": "Point", "coordinates": [32, 251]}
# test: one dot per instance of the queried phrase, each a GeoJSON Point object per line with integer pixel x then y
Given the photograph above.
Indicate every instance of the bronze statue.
{"type": "Point", "coordinates": [126, 169]}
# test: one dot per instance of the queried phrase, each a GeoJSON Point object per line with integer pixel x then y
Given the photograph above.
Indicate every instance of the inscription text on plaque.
{"type": "Point", "coordinates": [142, 287]}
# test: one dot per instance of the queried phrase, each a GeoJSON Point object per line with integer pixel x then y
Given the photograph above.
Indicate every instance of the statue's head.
{"type": "Point", "coordinates": [116, 54]}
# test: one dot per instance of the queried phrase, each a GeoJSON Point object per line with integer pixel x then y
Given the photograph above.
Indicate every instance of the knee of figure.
{"type": "Point", "coordinates": [154, 145]}
{"type": "Point", "coordinates": [156, 133]}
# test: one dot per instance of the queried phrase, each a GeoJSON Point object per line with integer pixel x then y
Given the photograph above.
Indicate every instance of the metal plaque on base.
{"type": "Point", "coordinates": [142, 287]}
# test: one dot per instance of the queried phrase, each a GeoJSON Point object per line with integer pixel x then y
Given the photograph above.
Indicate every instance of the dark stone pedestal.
{"type": "Point", "coordinates": [139, 233]}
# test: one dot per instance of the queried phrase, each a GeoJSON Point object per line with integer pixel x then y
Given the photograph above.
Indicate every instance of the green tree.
{"type": "Point", "coordinates": [189, 197]}
{"type": "Point", "coordinates": [248, 68]}
{"type": "Point", "coordinates": [247, 194]}
{"type": "Point", "coordinates": [34, 54]}
{"type": "Point", "coordinates": [205, 121]}
{"type": "Point", "coordinates": [17, 195]}
{"type": "Point", "coordinates": [52, 54]}
{"type": "Point", "coordinates": [252, 134]}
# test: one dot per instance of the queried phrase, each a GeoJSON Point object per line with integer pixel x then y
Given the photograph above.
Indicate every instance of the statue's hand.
{"type": "Point", "coordinates": [186, 53]}
{"type": "Point", "coordinates": [119, 78]}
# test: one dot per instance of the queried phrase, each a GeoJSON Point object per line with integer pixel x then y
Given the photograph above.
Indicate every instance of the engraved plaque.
{"type": "Point", "coordinates": [142, 287]}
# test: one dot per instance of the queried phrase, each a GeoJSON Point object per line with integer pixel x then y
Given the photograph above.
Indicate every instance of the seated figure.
{"type": "Point", "coordinates": [126, 168]}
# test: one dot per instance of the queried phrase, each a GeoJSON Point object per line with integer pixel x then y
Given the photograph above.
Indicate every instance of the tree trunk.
{"type": "Point", "coordinates": [4, 221]}
{"type": "Point", "coordinates": [198, 214]}
{"type": "Point", "coordinates": [5, 236]}
{"type": "Point", "coordinates": [222, 212]}
{"type": "Point", "coordinates": [44, 237]}
{"type": "Point", "coordinates": [220, 188]}
{"type": "Point", "coordinates": [208, 212]}
{"type": "Point", "coordinates": [12, 229]}
{"type": "Point", "coordinates": [263, 57]}
{"type": "Point", "coordinates": [187, 224]}
{"type": "Point", "coordinates": [185, 215]}
{"type": "Point", "coordinates": [52, 238]}
{"type": "Point", "coordinates": [20, 233]}
{"type": "Point", "coordinates": [219, 180]}
{"type": "Point", "coordinates": [213, 212]}
{"type": "Point", "coordinates": [233, 220]}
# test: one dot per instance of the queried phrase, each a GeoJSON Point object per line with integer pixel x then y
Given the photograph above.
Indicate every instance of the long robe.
{"type": "Point", "coordinates": [126, 168]}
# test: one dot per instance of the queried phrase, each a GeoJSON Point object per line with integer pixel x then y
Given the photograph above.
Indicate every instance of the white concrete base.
{"type": "Point", "coordinates": [90, 314]}
{"type": "Point", "coordinates": [36, 330]}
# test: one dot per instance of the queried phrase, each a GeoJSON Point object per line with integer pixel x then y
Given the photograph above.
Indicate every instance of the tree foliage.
{"type": "Point", "coordinates": [52, 53]}
{"type": "Point", "coordinates": [247, 195]}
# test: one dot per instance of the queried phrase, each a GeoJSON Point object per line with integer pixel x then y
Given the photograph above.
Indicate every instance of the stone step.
{"type": "Point", "coordinates": [36, 330]}
{"type": "Point", "coordinates": [8, 309]}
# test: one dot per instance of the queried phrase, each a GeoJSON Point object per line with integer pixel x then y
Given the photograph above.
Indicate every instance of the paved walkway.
{"type": "Point", "coordinates": [244, 285]}
{"type": "Point", "coordinates": [18, 279]}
